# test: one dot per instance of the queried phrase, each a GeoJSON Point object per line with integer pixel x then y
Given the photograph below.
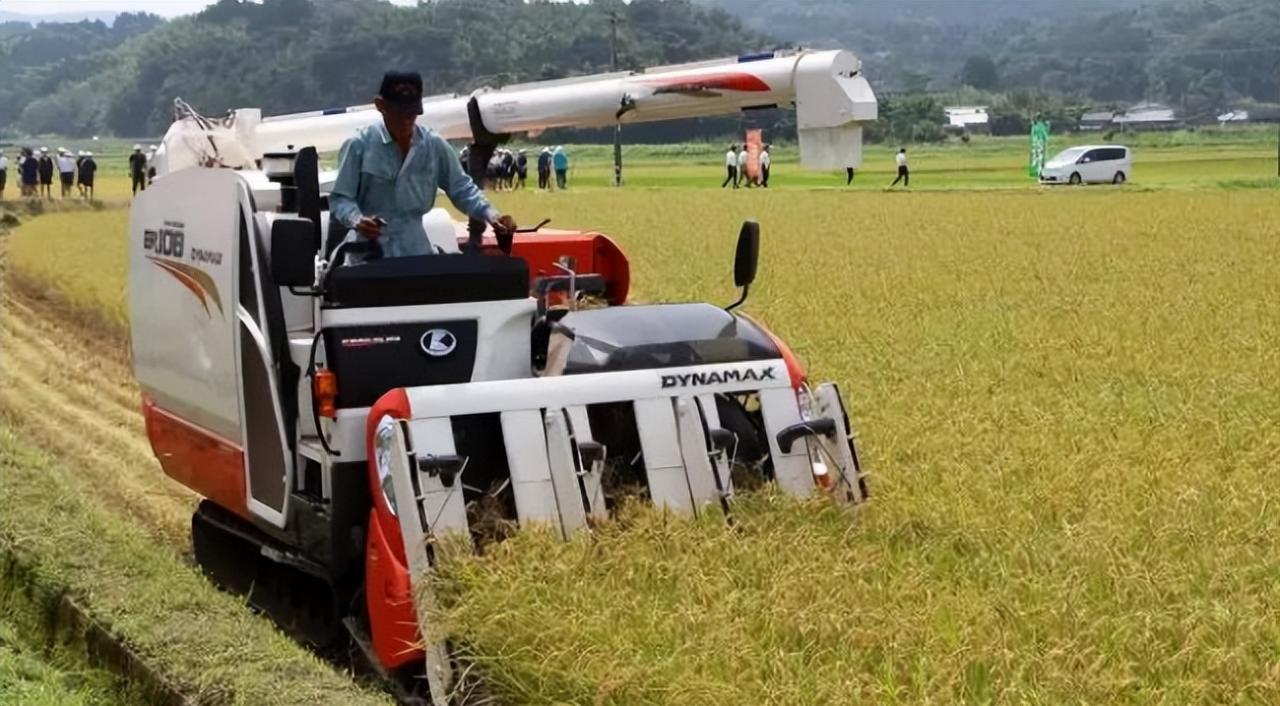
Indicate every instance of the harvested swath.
{"type": "Point", "coordinates": [70, 399]}
{"type": "Point", "coordinates": [205, 642]}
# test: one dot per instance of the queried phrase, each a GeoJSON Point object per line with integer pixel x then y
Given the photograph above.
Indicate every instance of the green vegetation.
{"type": "Point", "coordinates": [28, 677]}
{"type": "Point", "coordinates": [206, 642]}
{"type": "Point", "coordinates": [1021, 57]}
{"type": "Point", "coordinates": [1233, 157]}
{"type": "Point", "coordinates": [1204, 158]}
{"type": "Point", "coordinates": [1197, 54]}
{"type": "Point", "coordinates": [290, 55]}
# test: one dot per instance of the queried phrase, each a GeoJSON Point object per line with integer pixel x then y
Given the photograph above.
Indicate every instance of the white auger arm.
{"type": "Point", "coordinates": [831, 97]}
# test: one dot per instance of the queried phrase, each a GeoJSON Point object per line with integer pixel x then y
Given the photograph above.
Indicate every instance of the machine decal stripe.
{"type": "Point", "coordinates": [195, 279]}
{"type": "Point", "coordinates": [703, 85]}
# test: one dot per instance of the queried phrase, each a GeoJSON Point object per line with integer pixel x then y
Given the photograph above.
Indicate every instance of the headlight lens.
{"type": "Point", "coordinates": [382, 459]}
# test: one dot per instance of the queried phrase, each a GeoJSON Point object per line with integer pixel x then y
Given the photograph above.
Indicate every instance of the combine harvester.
{"type": "Point", "coordinates": [341, 420]}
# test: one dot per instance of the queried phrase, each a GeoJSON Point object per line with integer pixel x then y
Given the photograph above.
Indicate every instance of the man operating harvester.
{"type": "Point", "coordinates": [388, 174]}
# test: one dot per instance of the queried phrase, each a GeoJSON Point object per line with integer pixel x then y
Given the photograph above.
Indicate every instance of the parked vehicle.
{"type": "Point", "coordinates": [1089, 164]}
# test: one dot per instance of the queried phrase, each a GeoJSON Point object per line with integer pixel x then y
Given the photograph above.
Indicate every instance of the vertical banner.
{"type": "Point", "coordinates": [1039, 147]}
{"type": "Point", "coordinates": [755, 143]}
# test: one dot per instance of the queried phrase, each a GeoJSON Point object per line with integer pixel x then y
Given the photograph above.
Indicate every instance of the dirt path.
{"type": "Point", "coordinates": [69, 387]}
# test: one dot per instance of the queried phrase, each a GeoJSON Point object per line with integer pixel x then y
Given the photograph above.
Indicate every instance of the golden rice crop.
{"type": "Point", "coordinates": [1066, 403]}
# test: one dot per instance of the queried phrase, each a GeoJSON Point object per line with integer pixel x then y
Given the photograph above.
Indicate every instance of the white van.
{"type": "Point", "coordinates": [1089, 164]}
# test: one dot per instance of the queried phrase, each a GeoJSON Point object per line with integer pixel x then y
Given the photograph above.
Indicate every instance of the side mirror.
{"type": "Point", "coordinates": [293, 252]}
{"type": "Point", "coordinates": [746, 260]}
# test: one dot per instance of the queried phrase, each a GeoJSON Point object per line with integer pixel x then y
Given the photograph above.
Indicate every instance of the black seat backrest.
{"type": "Point", "coordinates": [427, 279]}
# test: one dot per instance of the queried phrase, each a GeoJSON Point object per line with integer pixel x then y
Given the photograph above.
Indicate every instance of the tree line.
{"type": "Point", "coordinates": [1022, 57]}
{"type": "Point", "coordinates": [294, 55]}
{"type": "Point", "coordinates": [1196, 55]}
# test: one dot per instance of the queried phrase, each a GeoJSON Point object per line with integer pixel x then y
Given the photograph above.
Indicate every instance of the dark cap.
{"type": "Point", "coordinates": [402, 91]}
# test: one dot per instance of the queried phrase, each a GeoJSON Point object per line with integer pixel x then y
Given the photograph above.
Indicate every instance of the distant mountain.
{"type": "Point", "coordinates": [907, 43]}
{"type": "Point", "coordinates": [106, 16]}
{"type": "Point", "coordinates": [288, 55]}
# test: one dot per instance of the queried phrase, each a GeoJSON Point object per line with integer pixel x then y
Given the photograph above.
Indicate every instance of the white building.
{"type": "Point", "coordinates": [1147, 116]}
{"type": "Point", "coordinates": [968, 118]}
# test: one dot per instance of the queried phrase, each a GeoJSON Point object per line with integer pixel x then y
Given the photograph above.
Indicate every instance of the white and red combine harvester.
{"type": "Point", "coordinates": [340, 419]}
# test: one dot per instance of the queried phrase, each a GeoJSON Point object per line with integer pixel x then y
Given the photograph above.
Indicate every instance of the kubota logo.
{"type": "Point", "coordinates": [438, 342]}
{"type": "Point", "coordinates": [717, 377]}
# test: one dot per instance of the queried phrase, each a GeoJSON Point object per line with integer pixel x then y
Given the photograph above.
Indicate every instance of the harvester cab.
{"type": "Point", "coordinates": [342, 420]}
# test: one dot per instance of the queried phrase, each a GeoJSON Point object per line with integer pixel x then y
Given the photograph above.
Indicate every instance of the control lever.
{"type": "Point", "coordinates": [446, 468]}
{"type": "Point", "coordinates": [813, 427]}
{"type": "Point", "coordinates": [722, 439]}
{"type": "Point", "coordinates": [536, 228]}
{"type": "Point", "coordinates": [590, 453]}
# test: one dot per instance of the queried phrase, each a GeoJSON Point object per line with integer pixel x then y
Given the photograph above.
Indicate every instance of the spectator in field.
{"type": "Point", "coordinates": [848, 179]}
{"type": "Point", "coordinates": [904, 174]}
{"type": "Point", "coordinates": [743, 177]}
{"type": "Point", "coordinates": [493, 171]}
{"type": "Point", "coordinates": [508, 169]}
{"type": "Point", "coordinates": [138, 169]}
{"type": "Point", "coordinates": [464, 158]}
{"type": "Point", "coordinates": [544, 168]}
{"type": "Point", "coordinates": [85, 173]}
{"type": "Point", "coordinates": [151, 164]}
{"type": "Point", "coordinates": [79, 182]}
{"type": "Point", "coordinates": [730, 167]}
{"type": "Point", "coordinates": [66, 171]}
{"type": "Point", "coordinates": [560, 161]}
{"type": "Point", "coordinates": [46, 173]}
{"type": "Point", "coordinates": [522, 169]}
{"type": "Point", "coordinates": [765, 163]}
{"type": "Point", "coordinates": [30, 167]}
{"type": "Point", "coordinates": [4, 173]}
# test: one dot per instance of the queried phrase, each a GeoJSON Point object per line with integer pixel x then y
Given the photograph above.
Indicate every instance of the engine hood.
{"type": "Point", "coordinates": [658, 336]}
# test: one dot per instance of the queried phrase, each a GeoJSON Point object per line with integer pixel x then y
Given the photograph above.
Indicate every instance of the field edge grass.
{"type": "Point", "coordinates": [206, 645]}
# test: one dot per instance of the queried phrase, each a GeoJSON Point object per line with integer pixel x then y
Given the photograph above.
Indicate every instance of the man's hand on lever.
{"type": "Point", "coordinates": [504, 230]}
{"type": "Point", "coordinates": [370, 227]}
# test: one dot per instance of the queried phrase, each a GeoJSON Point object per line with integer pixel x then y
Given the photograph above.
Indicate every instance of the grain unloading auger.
{"type": "Point", "coordinates": [342, 420]}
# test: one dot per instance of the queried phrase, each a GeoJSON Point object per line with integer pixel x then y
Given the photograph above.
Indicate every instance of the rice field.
{"type": "Point", "coordinates": [1066, 402]}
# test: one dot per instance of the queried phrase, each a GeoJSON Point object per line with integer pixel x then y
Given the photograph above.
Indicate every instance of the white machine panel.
{"type": "Point", "coordinates": [183, 236]}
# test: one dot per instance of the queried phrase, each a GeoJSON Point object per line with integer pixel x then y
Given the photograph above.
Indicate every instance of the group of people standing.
{"type": "Point", "coordinates": [735, 162]}
{"type": "Point", "coordinates": [508, 169]}
{"type": "Point", "coordinates": [553, 161]}
{"type": "Point", "coordinates": [36, 169]}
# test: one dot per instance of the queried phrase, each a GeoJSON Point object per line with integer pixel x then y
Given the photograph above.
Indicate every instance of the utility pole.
{"type": "Point", "coordinates": [617, 128]}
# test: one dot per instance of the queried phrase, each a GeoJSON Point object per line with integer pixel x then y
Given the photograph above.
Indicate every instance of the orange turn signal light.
{"type": "Point", "coordinates": [324, 388]}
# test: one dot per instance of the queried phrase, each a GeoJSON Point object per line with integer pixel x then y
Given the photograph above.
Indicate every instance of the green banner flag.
{"type": "Point", "coordinates": [1039, 147]}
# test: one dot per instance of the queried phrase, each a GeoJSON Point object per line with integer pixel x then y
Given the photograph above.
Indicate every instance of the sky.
{"type": "Point", "coordinates": [166, 8]}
